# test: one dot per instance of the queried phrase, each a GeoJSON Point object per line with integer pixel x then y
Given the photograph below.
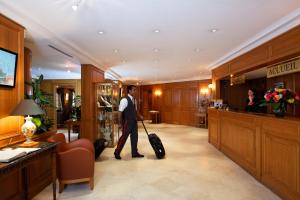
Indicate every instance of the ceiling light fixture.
{"type": "Point", "coordinates": [100, 32]}
{"type": "Point", "coordinates": [156, 50]}
{"type": "Point", "coordinates": [197, 50]}
{"type": "Point", "coordinates": [213, 30]}
{"type": "Point", "coordinates": [68, 71]}
{"type": "Point", "coordinates": [156, 31]}
{"type": "Point", "coordinates": [116, 50]}
{"type": "Point", "coordinates": [76, 4]}
{"type": "Point", "coordinates": [75, 7]}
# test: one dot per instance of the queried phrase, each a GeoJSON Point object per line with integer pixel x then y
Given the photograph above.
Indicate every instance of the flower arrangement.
{"type": "Point", "coordinates": [279, 98]}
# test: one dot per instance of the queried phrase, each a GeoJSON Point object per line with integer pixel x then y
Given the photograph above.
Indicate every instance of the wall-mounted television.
{"type": "Point", "coordinates": [8, 68]}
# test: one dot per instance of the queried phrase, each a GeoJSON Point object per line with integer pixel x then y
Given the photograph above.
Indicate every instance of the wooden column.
{"type": "Point", "coordinates": [27, 70]}
{"type": "Point", "coordinates": [11, 38]}
{"type": "Point", "coordinates": [89, 76]}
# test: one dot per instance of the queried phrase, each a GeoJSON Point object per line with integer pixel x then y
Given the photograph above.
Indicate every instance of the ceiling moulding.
{"type": "Point", "coordinates": [283, 25]}
{"type": "Point", "coordinates": [113, 74]}
{"type": "Point", "coordinates": [9, 10]}
{"type": "Point", "coordinates": [204, 77]}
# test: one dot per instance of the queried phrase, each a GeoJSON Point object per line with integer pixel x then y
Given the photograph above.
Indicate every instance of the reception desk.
{"type": "Point", "coordinates": [266, 146]}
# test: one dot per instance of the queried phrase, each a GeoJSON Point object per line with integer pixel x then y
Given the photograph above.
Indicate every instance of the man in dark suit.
{"type": "Point", "coordinates": [128, 117]}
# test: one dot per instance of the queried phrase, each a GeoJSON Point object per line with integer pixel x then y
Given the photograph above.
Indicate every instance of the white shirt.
{"type": "Point", "coordinates": [124, 103]}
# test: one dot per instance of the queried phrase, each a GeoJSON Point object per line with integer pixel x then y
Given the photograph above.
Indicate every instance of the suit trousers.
{"type": "Point", "coordinates": [132, 129]}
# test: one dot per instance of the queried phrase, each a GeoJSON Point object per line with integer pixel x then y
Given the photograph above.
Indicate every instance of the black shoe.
{"type": "Point", "coordinates": [117, 156]}
{"type": "Point", "coordinates": [137, 155]}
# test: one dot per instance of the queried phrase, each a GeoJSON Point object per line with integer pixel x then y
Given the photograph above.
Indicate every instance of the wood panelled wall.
{"type": "Point", "coordinates": [178, 102]}
{"type": "Point", "coordinates": [89, 76]}
{"type": "Point", "coordinates": [236, 95]}
{"type": "Point", "coordinates": [50, 86]}
{"type": "Point", "coordinates": [11, 38]}
{"type": "Point", "coordinates": [280, 48]}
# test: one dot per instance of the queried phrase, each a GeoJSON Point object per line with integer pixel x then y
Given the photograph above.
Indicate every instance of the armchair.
{"type": "Point", "coordinates": [75, 161]}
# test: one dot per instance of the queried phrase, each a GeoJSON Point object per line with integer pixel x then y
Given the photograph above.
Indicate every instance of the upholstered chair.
{"type": "Point", "coordinates": [75, 161]}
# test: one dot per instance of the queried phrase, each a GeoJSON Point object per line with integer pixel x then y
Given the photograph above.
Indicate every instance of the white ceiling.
{"type": "Point", "coordinates": [184, 48]}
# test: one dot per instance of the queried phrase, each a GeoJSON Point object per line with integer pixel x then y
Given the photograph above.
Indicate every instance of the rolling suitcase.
{"type": "Point", "coordinates": [156, 144]}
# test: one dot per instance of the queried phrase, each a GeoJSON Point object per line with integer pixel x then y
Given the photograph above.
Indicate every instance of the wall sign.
{"type": "Point", "coordinates": [284, 68]}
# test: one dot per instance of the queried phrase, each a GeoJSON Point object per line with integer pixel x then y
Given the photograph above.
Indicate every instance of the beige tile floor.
{"type": "Point", "coordinates": [192, 170]}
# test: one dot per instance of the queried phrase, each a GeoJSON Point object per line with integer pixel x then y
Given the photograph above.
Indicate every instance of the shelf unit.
{"type": "Point", "coordinates": [107, 100]}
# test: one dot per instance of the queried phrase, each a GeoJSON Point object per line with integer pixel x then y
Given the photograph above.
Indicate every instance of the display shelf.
{"type": "Point", "coordinates": [108, 97]}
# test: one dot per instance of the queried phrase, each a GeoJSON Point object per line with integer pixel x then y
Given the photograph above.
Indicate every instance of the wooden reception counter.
{"type": "Point", "coordinates": [267, 147]}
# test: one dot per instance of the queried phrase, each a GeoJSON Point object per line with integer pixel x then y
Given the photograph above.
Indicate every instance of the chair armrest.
{"type": "Point", "coordinates": [76, 163]}
{"type": "Point", "coordinates": [84, 143]}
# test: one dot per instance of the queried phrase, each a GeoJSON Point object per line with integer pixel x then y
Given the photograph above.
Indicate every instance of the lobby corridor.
{"type": "Point", "coordinates": [193, 170]}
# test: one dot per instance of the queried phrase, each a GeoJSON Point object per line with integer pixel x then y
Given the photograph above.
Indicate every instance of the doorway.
{"type": "Point", "coordinates": [64, 104]}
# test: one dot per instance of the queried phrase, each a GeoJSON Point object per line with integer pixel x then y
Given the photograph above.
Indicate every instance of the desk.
{"type": "Point", "coordinates": [155, 114]}
{"type": "Point", "coordinates": [264, 145]}
{"type": "Point", "coordinates": [26, 176]}
{"type": "Point", "coordinates": [70, 123]}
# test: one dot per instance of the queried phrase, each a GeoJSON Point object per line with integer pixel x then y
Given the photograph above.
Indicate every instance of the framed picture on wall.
{"type": "Point", "coordinates": [8, 68]}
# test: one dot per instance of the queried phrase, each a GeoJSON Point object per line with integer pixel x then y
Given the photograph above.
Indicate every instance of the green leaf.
{"type": "Point", "coordinates": [37, 121]}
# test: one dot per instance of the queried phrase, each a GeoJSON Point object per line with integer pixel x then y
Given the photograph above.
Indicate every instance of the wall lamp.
{"type": "Point", "coordinates": [157, 92]}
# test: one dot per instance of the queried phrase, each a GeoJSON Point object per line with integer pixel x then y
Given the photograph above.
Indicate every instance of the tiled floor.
{"type": "Point", "coordinates": [192, 169]}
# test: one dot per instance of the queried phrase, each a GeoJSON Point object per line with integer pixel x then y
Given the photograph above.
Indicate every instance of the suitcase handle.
{"type": "Point", "coordinates": [145, 128]}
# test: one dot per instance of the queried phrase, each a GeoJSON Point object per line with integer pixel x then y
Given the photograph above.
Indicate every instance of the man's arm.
{"type": "Point", "coordinates": [122, 106]}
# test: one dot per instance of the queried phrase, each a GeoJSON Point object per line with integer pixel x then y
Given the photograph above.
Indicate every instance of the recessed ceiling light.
{"type": "Point", "coordinates": [156, 50]}
{"type": "Point", "coordinates": [75, 4]}
{"type": "Point", "coordinates": [68, 71]}
{"type": "Point", "coordinates": [75, 7]}
{"type": "Point", "coordinates": [100, 32]}
{"type": "Point", "coordinates": [156, 31]}
{"type": "Point", "coordinates": [197, 50]}
{"type": "Point", "coordinates": [116, 50]}
{"type": "Point", "coordinates": [213, 30]}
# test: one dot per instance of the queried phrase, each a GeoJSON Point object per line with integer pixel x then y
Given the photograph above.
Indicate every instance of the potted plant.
{"type": "Point", "coordinates": [279, 98]}
{"type": "Point", "coordinates": [42, 122]}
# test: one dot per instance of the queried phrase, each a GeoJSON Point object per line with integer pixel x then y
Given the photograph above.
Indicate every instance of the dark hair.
{"type": "Point", "coordinates": [130, 87]}
{"type": "Point", "coordinates": [253, 90]}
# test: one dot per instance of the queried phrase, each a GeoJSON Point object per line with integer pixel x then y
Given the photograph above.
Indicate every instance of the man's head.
{"type": "Point", "coordinates": [131, 89]}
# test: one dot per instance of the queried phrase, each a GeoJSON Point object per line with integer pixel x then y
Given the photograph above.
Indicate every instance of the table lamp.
{"type": "Point", "coordinates": [28, 107]}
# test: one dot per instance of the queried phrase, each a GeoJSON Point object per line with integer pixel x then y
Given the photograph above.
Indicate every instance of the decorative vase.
{"type": "Point", "coordinates": [28, 129]}
{"type": "Point", "coordinates": [280, 111]}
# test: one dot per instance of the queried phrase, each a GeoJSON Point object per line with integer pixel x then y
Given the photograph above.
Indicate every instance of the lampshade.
{"type": "Point", "coordinates": [27, 107]}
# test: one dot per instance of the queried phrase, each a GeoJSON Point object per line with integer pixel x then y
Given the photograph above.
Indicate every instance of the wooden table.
{"type": "Point", "coordinates": [202, 119]}
{"type": "Point", "coordinates": [28, 175]}
{"type": "Point", "coordinates": [156, 114]}
{"type": "Point", "coordinates": [70, 123]}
